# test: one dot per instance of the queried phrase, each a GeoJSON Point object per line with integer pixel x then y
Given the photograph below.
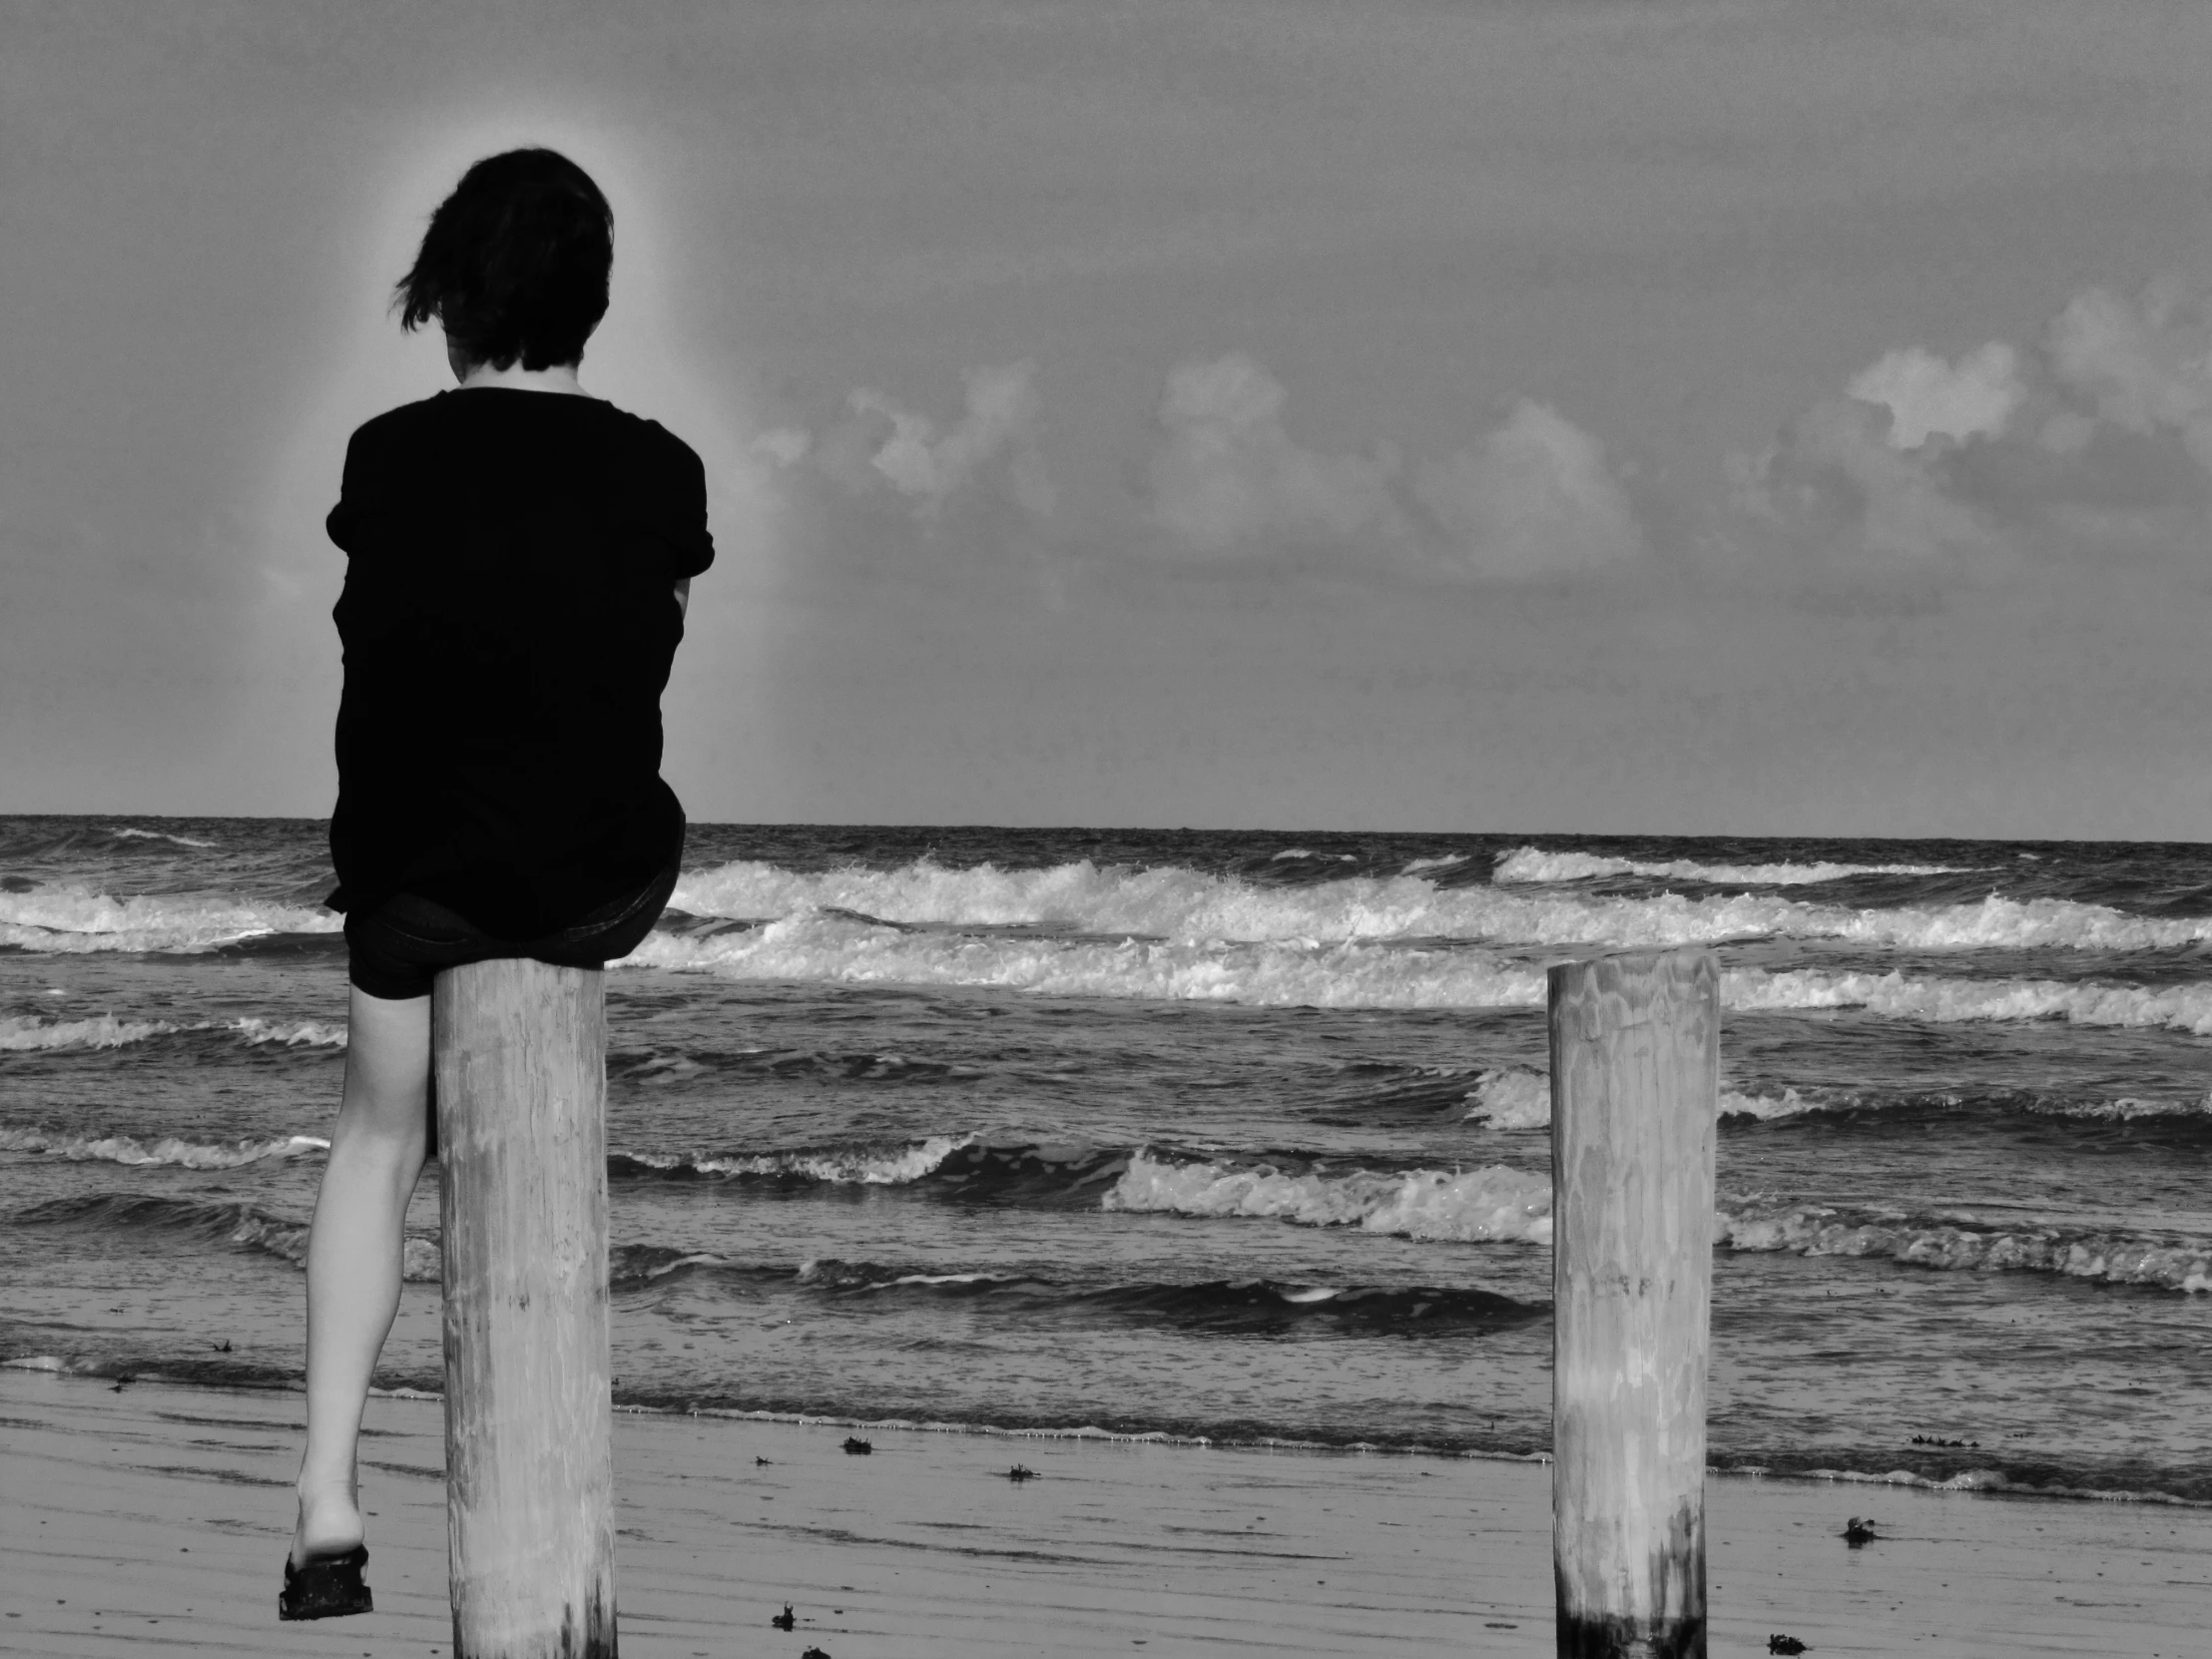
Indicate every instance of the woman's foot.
{"type": "Point", "coordinates": [329, 1525]}
{"type": "Point", "coordinates": [328, 1587]}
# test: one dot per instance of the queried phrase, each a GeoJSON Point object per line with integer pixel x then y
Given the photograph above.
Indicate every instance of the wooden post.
{"type": "Point", "coordinates": [530, 1429]}
{"type": "Point", "coordinates": [1635, 1091]}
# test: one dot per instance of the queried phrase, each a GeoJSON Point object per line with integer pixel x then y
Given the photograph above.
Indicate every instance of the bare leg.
{"type": "Point", "coordinates": [354, 1253]}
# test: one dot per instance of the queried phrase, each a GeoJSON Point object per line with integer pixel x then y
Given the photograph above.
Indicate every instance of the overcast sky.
{"type": "Point", "coordinates": [1553, 415]}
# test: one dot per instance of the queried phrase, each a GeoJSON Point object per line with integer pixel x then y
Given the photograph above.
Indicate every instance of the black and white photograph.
{"type": "Point", "coordinates": [914, 829]}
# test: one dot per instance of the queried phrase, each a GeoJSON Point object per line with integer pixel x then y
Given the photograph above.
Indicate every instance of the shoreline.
{"type": "Point", "coordinates": [155, 1514]}
{"type": "Point", "coordinates": [1977, 1480]}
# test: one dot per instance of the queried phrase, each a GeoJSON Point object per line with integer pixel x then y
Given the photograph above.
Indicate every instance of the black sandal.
{"type": "Point", "coordinates": [327, 1587]}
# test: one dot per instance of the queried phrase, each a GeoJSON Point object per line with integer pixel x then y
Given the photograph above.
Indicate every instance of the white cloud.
{"type": "Point", "coordinates": [1536, 499]}
{"type": "Point", "coordinates": [1926, 395]}
{"type": "Point", "coordinates": [1227, 473]}
{"type": "Point", "coordinates": [1835, 479]}
{"type": "Point", "coordinates": [783, 446]}
{"type": "Point", "coordinates": [2145, 365]}
{"type": "Point", "coordinates": [2095, 445]}
{"type": "Point", "coordinates": [882, 443]}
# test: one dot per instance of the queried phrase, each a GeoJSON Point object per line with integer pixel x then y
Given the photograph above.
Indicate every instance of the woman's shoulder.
{"type": "Point", "coordinates": [651, 437]}
{"type": "Point", "coordinates": [472, 405]}
{"type": "Point", "coordinates": [594, 435]}
{"type": "Point", "coordinates": [396, 423]}
{"type": "Point", "coordinates": [406, 435]}
{"type": "Point", "coordinates": [670, 484]}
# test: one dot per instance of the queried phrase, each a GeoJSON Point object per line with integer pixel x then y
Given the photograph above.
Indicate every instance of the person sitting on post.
{"type": "Point", "coordinates": [519, 563]}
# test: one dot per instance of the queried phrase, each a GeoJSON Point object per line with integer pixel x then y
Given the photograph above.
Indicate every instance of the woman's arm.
{"type": "Point", "coordinates": [682, 597]}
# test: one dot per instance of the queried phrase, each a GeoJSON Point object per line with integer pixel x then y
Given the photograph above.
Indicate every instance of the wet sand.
{"type": "Point", "coordinates": [156, 1519]}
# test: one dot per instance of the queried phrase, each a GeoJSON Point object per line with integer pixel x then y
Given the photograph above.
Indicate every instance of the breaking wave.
{"type": "Point", "coordinates": [1517, 1097]}
{"type": "Point", "coordinates": [1179, 904]}
{"type": "Point", "coordinates": [1895, 995]}
{"type": "Point", "coordinates": [1357, 974]}
{"type": "Point", "coordinates": [125, 833]}
{"type": "Point", "coordinates": [1501, 1204]}
{"type": "Point", "coordinates": [1514, 1097]}
{"type": "Point", "coordinates": [27, 1033]}
{"type": "Point", "coordinates": [2107, 1257]}
{"type": "Point", "coordinates": [69, 919]}
{"type": "Point", "coordinates": [1452, 861]}
{"type": "Point", "coordinates": [853, 949]}
{"type": "Point", "coordinates": [1495, 1203]}
{"type": "Point", "coordinates": [862, 1165]}
{"type": "Point", "coordinates": [24, 1034]}
{"type": "Point", "coordinates": [1533, 864]}
{"type": "Point", "coordinates": [1511, 1097]}
{"type": "Point", "coordinates": [165, 1149]}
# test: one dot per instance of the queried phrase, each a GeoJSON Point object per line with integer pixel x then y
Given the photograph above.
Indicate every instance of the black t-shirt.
{"type": "Point", "coordinates": [508, 622]}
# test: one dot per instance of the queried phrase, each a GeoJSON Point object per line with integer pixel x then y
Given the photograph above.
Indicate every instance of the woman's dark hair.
{"type": "Point", "coordinates": [515, 261]}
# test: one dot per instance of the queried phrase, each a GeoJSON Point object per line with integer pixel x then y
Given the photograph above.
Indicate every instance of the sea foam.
{"type": "Point", "coordinates": [21, 1034]}
{"type": "Point", "coordinates": [125, 833]}
{"type": "Point", "coordinates": [1535, 864]}
{"type": "Point", "coordinates": [71, 919]}
{"type": "Point", "coordinates": [1180, 904]}
{"type": "Point", "coordinates": [1357, 974]}
{"type": "Point", "coordinates": [865, 1166]}
{"type": "Point", "coordinates": [164, 1149]}
{"type": "Point", "coordinates": [2108, 1257]}
{"type": "Point", "coordinates": [1495, 1203]}
{"type": "Point", "coordinates": [1515, 1097]}
{"type": "Point", "coordinates": [1501, 1204]}
{"type": "Point", "coordinates": [1897, 995]}
{"type": "Point", "coordinates": [1284, 973]}
{"type": "Point", "coordinates": [27, 1033]}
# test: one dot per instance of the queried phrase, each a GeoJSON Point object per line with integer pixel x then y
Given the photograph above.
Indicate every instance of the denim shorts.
{"type": "Point", "coordinates": [397, 950]}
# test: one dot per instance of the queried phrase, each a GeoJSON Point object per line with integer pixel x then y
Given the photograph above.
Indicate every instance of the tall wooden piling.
{"type": "Point", "coordinates": [1635, 1091]}
{"type": "Point", "coordinates": [521, 1076]}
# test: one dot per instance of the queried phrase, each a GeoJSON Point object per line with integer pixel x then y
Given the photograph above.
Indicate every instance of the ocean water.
{"type": "Point", "coordinates": [1229, 1136]}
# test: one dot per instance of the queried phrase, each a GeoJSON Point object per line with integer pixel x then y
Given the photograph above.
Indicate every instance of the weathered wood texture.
{"type": "Point", "coordinates": [1635, 1091]}
{"type": "Point", "coordinates": [521, 1074]}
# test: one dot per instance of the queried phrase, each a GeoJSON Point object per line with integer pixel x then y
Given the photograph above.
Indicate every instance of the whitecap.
{"type": "Point", "coordinates": [25, 1033]}
{"type": "Point", "coordinates": [835, 1166]}
{"type": "Point", "coordinates": [1895, 996]}
{"type": "Point", "coordinates": [159, 1150]}
{"type": "Point", "coordinates": [1359, 974]}
{"type": "Point", "coordinates": [2108, 1258]}
{"type": "Point", "coordinates": [1180, 904]}
{"type": "Point", "coordinates": [1492, 1204]}
{"type": "Point", "coordinates": [71, 919]}
{"type": "Point", "coordinates": [1535, 864]}
{"type": "Point", "coordinates": [157, 836]}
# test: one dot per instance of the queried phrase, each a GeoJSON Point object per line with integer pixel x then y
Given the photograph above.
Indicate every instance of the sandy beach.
{"type": "Point", "coordinates": [155, 1519]}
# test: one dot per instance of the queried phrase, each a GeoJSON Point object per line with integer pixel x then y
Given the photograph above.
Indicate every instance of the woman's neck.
{"type": "Point", "coordinates": [557, 378]}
